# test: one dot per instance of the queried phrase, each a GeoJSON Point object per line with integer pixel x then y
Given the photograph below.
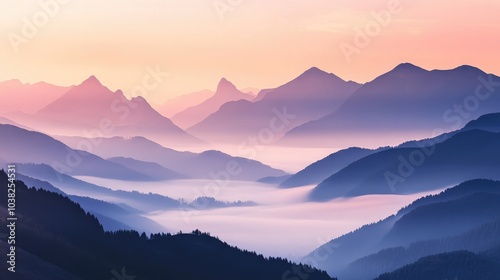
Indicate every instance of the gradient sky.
{"type": "Point", "coordinates": [255, 44]}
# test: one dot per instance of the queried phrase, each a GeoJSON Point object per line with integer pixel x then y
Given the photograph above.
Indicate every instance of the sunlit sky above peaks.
{"type": "Point", "coordinates": [253, 43]}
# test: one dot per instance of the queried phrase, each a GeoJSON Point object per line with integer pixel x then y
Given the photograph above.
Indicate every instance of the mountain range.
{"type": "Point", "coordinates": [22, 146]}
{"type": "Point", "coordinates": [205, 165]}
{"type": "Point", "coordinates": [91, 109]}
{"type": "Point", "coordinates": [310, 96]}
{"type": "Point", "coordinates": [135, 159]}
{"type": "Point", "coordinates": [407, 100]}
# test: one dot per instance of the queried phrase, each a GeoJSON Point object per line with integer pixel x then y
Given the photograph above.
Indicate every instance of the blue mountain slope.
{"type": "Point", "coordinates": [462, 217]}
{"type": "Point", "coordinates": [465, 156]}
{"type": "Point", "coordinates": [322, 169]}
{"type": "Point", "coordinates": [23, 146]}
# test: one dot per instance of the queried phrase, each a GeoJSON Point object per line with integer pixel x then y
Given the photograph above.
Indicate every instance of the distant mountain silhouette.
{"type": "Point", "coordinates": [310, 96]}
{"type": "Point", "coordinates": [465, 217]}
{"type": "Point", "coordinates": [7, 121]}
{"type": "Point", "coordinates": [23, 146]}
{"type": "Point", "coordinates": [320, 170]}
{"type": "Point", "coordinates": [225, 92]}
{"type": "Point", "coordinates": [91, 107]}
{"type": "Point", "coordinates": [274, 180]}
{"type": "Point", "coordinates": [407, 99]}
{"type": "Point", "coordinates": [204, 165]}
{"type": "Point", "coordinates": [465, 156]}
{"type": "Point", "coordinates": [216, 161]}
{"type": "Point", "coordinates": [129, 202]}
{"type": "Point", "coordinates": [28, 98]}
{"type": "Point", "coordinates": [251, 91]}
{"type": "Point", "coordinates": [180, 103]}
{"type": "Point", "coordinates": [135, 202]}
{"type": "Point", "coordinates": [150, 169]}
{"type": "Point", "coordinates": [77, 243]}
{"type": "Point", "coordinates": [262, 93]}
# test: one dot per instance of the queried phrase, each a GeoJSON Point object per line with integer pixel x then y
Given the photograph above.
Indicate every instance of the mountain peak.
{"type": "Point", "coordinates": [468, 68]}
{"type": "Point", "coordinates": [92, 80]}
{"type": "Point", "coordinates": [406, 66]}
{"type": "Point", "coordinates": [224, 80]}
{"type": "Point", "coordinates": [225, 86]}
{"type": "Point", "coordinates": [315, 69]}
{"type": "Point", "coordinates": [315, 72]}
{"type": "Point", "coordinates": [406, 70]}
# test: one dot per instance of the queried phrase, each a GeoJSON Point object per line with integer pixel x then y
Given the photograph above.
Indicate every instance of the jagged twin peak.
{"type": "Point", "coordinates": [312, 95]}
{"type": "Point", "coordinates": [89, 102]}
{"type": "Point", "coordinates": [91, 109]}
{"type": "Point", "coordinates": [226, 92]}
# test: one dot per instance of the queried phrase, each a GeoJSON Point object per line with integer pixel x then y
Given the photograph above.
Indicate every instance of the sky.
{"type": "Point", "coordinates": [193, 44]}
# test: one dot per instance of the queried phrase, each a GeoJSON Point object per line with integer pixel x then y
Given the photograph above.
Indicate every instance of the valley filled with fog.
{"type": "Point", "coordinates": [282, 224]}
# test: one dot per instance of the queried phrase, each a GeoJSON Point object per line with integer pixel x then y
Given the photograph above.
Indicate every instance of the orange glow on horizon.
{"type": "Point", "coordinates": [253, 44]}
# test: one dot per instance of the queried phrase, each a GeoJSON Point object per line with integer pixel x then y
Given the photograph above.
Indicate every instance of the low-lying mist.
{"type": "Point", "coordinates": [283, 224]}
